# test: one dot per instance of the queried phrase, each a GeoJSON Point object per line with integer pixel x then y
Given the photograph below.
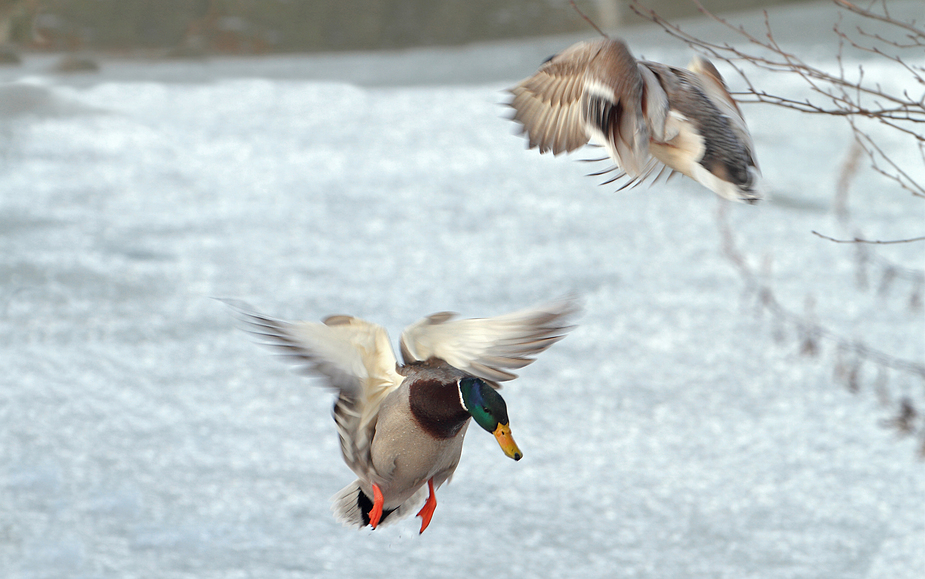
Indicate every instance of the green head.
{"type": "Point", "coordinates": [489, 411]}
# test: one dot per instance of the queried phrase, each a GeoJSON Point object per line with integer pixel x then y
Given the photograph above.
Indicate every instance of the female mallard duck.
{"type": "Point", "coordinates": [402, 426]}
{"type": "Point", "coordinates": [647, 115]}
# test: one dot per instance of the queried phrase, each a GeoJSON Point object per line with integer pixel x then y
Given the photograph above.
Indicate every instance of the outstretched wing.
{"type": "Point", "coordinates": [488, 347]}
{"type": "Point", "coordinates": [548, 104]}
{"type": "Point", "coordinates": [594, 91]}
{"type": "Point", "coordinates": [354, 356]}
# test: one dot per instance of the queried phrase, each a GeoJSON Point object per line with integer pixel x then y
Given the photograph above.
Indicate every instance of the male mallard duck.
{"type": "Point", "coordinates": [647, 115]}
{"type": "Point", "coordinates": [402, 426]}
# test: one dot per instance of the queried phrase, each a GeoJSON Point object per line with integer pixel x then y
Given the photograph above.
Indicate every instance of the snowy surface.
{"type": "Point", "coordinates": [673, 434]}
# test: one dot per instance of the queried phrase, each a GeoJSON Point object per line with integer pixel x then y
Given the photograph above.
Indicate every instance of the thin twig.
{"type": "Point", "coordinates": [882, 18]}
{"type": "Point", "coordinates": [805, 325]}
{"type": "Point", "coordinates": [859, 240]}
{"type": "Point", "coordinates": [905, 108]}
{"type": "Point", "coordinates": [588, 20]}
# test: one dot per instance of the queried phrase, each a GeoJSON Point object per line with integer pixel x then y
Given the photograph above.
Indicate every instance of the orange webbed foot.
{"type": "Point", "coordinates": [427, 511]}
{"type": "Point", "coordinates": [375, 514]}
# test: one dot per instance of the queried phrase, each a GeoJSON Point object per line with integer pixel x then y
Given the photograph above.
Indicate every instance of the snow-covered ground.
{"type": "Point", "coordinates": [672, 434]}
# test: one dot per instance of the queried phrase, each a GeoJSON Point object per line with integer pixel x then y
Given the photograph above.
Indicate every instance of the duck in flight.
{"type": "Point", "coordinates": [649, 117]}
{"type": "Point", "coordinates": [401, 426]}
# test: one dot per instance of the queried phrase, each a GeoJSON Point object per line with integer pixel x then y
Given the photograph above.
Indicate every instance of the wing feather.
{"type": "Point", "coordinates": [654, 102]}
{"type": "Point", "coordinates": [548, 103]}
{"type": "Point", "coordinates": [713, 83]}
{"type": "Point", "coordinates": [716, 90]}
{"type": "Point", "coordinates": [488, 347]}
{"type": "Point", "coordinates": [353, 355]}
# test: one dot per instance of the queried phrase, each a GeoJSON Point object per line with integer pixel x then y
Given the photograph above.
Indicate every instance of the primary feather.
{"type": "Point", "coordinates": [354, 356]}
{"type": "Point", "coordinates": [487, 347]}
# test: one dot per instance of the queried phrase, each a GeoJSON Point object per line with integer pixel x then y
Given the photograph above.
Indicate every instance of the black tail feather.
{"type": "Point", "coordinates": [366, 505]}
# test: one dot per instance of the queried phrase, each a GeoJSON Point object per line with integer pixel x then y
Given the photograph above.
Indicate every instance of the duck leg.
{"type": "Point", "coordinates": [427, 511]}
{"type": "Point", "coordinates": [375, 514]}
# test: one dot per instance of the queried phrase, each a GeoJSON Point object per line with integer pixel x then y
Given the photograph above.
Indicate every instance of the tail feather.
{"type": "Point", "coordinates": [351, 506]}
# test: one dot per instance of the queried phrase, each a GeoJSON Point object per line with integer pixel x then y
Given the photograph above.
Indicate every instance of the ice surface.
{"type": "Point", "coordinates": [671, 435]}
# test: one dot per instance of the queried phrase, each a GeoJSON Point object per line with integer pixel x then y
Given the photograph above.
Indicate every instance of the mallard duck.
{"type": "Point", "coordinates": [648, 116]}
{"type": "Point", "coordinates": [401, 426]}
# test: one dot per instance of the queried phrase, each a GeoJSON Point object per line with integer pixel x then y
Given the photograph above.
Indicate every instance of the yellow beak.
{"type": "Point", "coordinates": [503, 434]}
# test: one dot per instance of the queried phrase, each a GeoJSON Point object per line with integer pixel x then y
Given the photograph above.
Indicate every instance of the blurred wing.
{"type": "Point", "coordinates": [487, 347]}
{"type": "Point", "coordinates": [654, 102]}
{"type": "Point", "coordinates": [354, 355]}
{"type": "Point", "coordinates": [615, 106]}
{"type": "Point", "coordinates": [713, 84]}
{"type": "Point", "coordinates": [716, 90]}
{"type": "Point", "coordinates": [548, 104]}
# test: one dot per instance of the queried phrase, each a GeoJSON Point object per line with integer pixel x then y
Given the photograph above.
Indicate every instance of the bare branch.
{"type": "Point", "coordinates": [914, 32]}
{"type": "Point", "coordinates": [829, 86]}
{"type": "Point", "coordinates": [874, 152]}
{"type": "Point", "coordinates": [859, 240]}
{"type": "Point", "coordinates": [805, 325]}
{"type": "Point", "coordinates": [588, 20]}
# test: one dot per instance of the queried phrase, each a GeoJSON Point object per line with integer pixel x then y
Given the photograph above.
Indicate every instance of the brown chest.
{"type": "Point", "coordinates": [436, 407]}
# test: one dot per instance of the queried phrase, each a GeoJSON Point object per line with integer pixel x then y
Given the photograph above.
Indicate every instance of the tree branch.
{"type": "Point", "coordinates": [859, 240]}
